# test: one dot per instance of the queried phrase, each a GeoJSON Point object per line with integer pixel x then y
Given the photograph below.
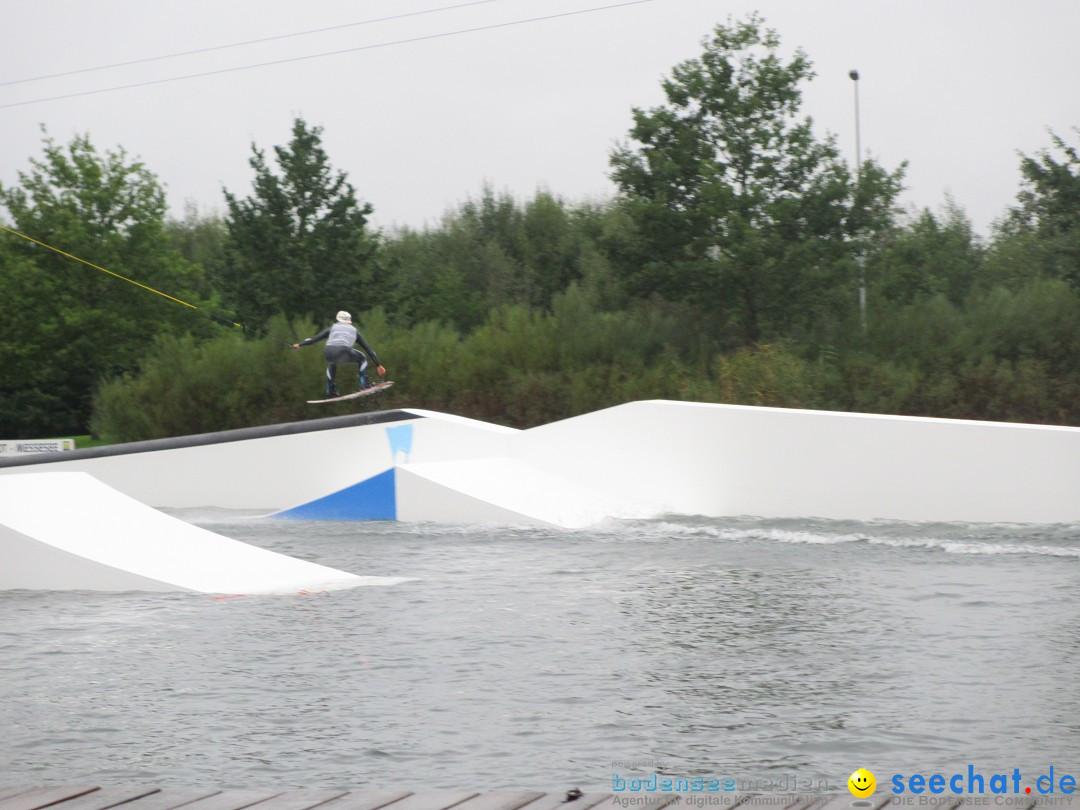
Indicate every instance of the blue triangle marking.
{"type": "Point", "coordinates": [374, 498]}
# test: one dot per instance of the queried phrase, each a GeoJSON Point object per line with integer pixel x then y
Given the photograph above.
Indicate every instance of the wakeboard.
{"type": "Point", "coordinates": [382, 386]}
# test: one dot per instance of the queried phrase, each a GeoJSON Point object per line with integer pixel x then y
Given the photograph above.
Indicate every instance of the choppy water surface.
{"type": "Point", "coordinates": [526, 658]}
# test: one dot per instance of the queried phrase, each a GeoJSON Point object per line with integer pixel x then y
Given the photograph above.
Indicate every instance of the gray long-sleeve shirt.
{"type": "Point", "coordinates": [343, 334]}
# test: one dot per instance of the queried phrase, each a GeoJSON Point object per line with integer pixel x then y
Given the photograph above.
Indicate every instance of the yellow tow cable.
{"type": "Point", "coordinates": [111, 273]}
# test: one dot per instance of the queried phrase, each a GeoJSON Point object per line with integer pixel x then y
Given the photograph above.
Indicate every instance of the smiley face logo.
{"type": "Point", "coordinates": [861, 783]}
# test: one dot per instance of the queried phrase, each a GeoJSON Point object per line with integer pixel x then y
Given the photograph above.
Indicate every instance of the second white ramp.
{"type": "Point", "coordinates": [65, 531]}
{"type": "Point", "coordinates": [502, 490]}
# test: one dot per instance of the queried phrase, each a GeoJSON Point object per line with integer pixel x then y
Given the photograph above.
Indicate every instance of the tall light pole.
{"type": "Point", "coordinates": [854, 74]}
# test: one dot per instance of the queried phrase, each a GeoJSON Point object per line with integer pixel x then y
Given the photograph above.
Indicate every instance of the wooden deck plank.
{"type": "Point", "coordinates": [299, 799]}
{"type": "Point", "coordinates": [558, 801]}
{"type": "Point", "coordinates": [430, 800]}
{"type": "Point", "coordinates": [499, 800]}
{"type": "Point", "coordinates": [775, 801]}
{"type": "Point", "coordinates": [166, 799]}
{"type": "Point", "coordinates": [88, 797]}
{"type": "Point", "coordinates": [366, 799]}
{"type": "Point", "coordinates": [950, 801]}
{"type": "Point", "coordinates": [1053, 801]}
{"type": "Point", "coordinates": [642, 801]}
{"type": "Point", "coordinates": [801, 802]}
{"type": "Point", "coordinates": [106, 797]}
{"type": "Point", "coordinates": [845, 801]}
{"type": "Point", "coordinates": [45, 796]}
{"type": "Point", "coordinates": [230, 799]}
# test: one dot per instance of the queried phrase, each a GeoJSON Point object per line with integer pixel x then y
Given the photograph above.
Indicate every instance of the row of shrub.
{"type": "Point", "coordinates": [1007, 356]}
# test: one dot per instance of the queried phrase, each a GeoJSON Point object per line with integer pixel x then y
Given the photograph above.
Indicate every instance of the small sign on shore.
{"type": "Point", "coordinates": [18, 447]}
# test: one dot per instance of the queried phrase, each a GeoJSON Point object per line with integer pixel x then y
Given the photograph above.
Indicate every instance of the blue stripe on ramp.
{"type": "Point", "coordinates": [372, 499]}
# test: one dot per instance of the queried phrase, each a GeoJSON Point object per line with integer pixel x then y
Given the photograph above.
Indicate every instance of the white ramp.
{"type": "Point", "coordinates": [503, 490]}
{"type": "Point", "coordinates": [69, 531]}
{"type": "Point", "coordinates": [708, 459]}
{"type": "Point", "coordinates": [689, 458]}
{"type": "Point", "coordinates": [274, 466]}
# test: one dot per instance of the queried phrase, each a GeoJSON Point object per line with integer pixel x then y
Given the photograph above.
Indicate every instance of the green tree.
{"type": "Point", "coordinates": [736, 204]}
{"type": "Point", "coordinates": [187, 386]}
{"type": "Point", "coordinates": [300, 244]}
{"type": "Point", "coordinates": [77, 323]}
{"type": "Point", "coordinates": [538, 242]}
{"type": "Point", "coordinates": [934, 254]}
{"type": "Point", "coordinates": [1000, 355]}
{"type": "Point", "coordinates": [1041, 235]}
{"type": "Point", "coordinates": [491, 252]}
{"type": "Point", "coordinates": [431, 276]}
{"type": "Point", "coordinates": [201, 240]}
{"type": "Point", "coordinates": [27, 398]}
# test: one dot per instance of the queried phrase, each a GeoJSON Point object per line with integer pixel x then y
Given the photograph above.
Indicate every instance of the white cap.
{"type": "Point", "coordinates": [344, 317]}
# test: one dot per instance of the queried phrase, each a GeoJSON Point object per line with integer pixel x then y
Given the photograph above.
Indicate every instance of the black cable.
{"type": "Point", "coordinates": [328, 53]}
{"type": "Point", "coordinates": [246, 42]}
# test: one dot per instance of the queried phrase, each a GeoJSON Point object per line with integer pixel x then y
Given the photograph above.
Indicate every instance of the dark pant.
{"type": "Point", "coordinates": [336, 355]}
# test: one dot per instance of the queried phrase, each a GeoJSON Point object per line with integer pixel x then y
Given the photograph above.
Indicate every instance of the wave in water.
{"type": "Point", "coordinates": [992, 541]}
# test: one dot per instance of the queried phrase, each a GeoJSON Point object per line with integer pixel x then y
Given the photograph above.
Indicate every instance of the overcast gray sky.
{"type": "Point", "coordinates": [958, 88]}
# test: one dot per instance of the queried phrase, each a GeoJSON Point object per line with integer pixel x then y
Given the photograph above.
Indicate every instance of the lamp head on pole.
{"type": "Point", "coordinates": [854, 74]}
